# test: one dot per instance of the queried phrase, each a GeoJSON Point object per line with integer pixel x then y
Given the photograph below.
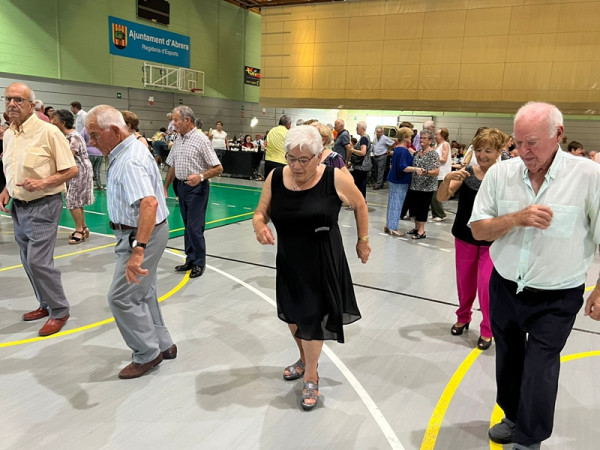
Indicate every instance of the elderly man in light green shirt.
{"type": "Point", "coordinates": [541, 210]}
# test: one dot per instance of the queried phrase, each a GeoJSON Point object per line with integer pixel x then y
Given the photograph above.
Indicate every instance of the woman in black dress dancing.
{"type": "Point", "coordinates": [314, 288]}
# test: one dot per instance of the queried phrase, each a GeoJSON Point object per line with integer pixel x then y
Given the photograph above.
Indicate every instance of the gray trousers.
{"type": "Point", "coordinates": [437, 209]}
{"type": "Point", "coordinates": [135, 307]}
{"type": "Point", "coordinates": [381, 162]}
{"type": "Point", "coordinates": [35, 226]}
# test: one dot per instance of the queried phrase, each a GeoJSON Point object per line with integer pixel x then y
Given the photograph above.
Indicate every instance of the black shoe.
{"type": "Point", "coordinates": [457, 331]}
{"type": "Point", "coordinates": [184, 267]}
{"type": "Point", "coordinates": [197, 271]}
{"type": "Point", "coordinates": [482, 344]}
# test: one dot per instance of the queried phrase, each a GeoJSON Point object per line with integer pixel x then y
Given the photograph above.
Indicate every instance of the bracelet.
{"type": "Point", "coordinates": [364, 238]}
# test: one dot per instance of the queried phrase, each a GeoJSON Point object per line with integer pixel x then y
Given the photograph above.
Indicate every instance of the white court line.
{"type": "Point", "coordinates": [371, 406]}
{"type": "Point", "coordinates": [90, 212]}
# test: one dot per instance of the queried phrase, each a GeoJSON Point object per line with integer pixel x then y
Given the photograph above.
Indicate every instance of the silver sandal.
{"type": "Point", "coordinates": [294, 371]}
{"type": "Point", "coordinates": [308, 393]}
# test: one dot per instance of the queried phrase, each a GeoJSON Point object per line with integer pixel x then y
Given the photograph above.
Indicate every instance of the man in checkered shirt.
{"type": "Point", "coordinates": [192, 161]}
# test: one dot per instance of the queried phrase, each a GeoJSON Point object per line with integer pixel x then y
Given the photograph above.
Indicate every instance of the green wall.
{"type": "Point", "coordinates": [68, 40]}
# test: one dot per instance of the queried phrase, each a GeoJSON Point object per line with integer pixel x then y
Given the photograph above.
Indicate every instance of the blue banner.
{"type": "Point", "coordinates": [133, 40]}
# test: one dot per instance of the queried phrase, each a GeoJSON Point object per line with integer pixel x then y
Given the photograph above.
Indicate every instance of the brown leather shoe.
{"type": "Point", "coordinates": [39, 313]}
{"type": "Point", "coordinates": [53, 326]}
{"type": "Point", "coordinates": [135, 370]}
{"type": "Point", "coordinates": [170, 353]}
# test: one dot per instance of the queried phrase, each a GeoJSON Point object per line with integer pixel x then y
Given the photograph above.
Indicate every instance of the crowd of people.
{"type": "Point", "coordinates": [516, 216]}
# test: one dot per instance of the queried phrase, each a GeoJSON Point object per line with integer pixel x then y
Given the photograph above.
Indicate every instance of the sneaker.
{"type": "Point", "coordinates": [502, 433]}
{"type": "Point", "coordinates": [439, 219]}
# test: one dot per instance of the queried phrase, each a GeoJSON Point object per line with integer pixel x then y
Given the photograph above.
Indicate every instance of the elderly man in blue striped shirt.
{"type": "Point", "coordinates": [137, 210]}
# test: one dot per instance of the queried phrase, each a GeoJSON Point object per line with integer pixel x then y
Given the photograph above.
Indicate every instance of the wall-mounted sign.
{"type": "Point", "coordinates": [133, 40]}
{"type": "Point", "coordinates": [251, 76]}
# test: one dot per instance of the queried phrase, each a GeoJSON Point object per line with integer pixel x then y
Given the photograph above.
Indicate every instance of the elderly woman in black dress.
{"type": "Point", "coordinates": [314, 288]}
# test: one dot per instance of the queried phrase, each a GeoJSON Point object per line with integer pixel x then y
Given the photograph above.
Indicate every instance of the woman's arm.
{"type": "Point", "coordinates": [445, 153]}
{"type": "Point", "coordinates": [262, 215]}
{"type": "Point", "coordinates": [349, 193]}
{"type": "Point", "coordinates": [451, 184]}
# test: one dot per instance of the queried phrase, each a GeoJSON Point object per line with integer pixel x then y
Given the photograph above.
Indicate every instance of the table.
{"type": "Point", "coordinates": [241, 162]}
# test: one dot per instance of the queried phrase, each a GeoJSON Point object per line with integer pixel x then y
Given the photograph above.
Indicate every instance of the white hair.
{"type": "Point", "coordinates": [428, 124]}
{"type": "Point", "coordinates": [545, 111]}
{"type": "Point", "coordinates": [105, 116]}
{"type": "Point", "coordinates": [306, 137]}
{"type": "Point", "coordinates": [38, 105]}
{"type": "Point", "coordinates": [362, 124]}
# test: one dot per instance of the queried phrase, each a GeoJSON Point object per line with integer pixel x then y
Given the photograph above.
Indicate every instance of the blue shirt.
{"type": "Point", "coordinates": [132, 175]}
{"type": "Point", "coordinates": [559, 256]}
{"type": "Point", "coordinates": [382, 145]}
{"type": "Point", "coordinates": [401, 159]}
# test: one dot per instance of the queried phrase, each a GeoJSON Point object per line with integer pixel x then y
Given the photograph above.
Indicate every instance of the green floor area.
{"type": "Point", "coordinates": [228, 203]}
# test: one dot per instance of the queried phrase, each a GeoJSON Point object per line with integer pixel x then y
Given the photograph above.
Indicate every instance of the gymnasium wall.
{"type": "Point", "coordinates": [68, 40]}
{"type": "Point", "coordinates": [450, 55]}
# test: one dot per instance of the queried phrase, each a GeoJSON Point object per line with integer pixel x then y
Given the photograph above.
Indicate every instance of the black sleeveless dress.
{"type": "Point", "coordinates": [314, 285]}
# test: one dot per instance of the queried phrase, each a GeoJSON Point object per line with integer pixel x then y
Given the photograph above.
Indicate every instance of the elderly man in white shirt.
{"type": "Point", "coordinates": [541, 211]}
{"type": "Point", "coordinates": [381, 150]}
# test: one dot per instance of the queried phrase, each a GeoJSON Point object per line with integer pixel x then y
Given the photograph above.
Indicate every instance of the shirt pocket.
{"type": "Point", "coordinates": [563, 221]}
{"type": "Point", "coordinates": [37, 161]}
{"type": "Point", "coordinates": [507, 207]}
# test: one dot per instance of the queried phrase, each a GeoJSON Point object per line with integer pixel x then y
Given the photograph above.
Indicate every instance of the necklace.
{"type": "Point", "coordinates": [297, 186]}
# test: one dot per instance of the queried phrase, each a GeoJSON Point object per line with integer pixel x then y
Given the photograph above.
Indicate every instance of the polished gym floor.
{"type": "Point", "coordinates": [401, 381]}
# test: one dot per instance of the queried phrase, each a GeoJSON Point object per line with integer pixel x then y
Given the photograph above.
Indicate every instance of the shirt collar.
{"type": "Point", "coordinates": [190, 133]}
{"type": "Point", "coordinates": [116, 152]}
{"type": "Point", "coordinates": [552, 170]}
{"type": "Point", "coordinates": [25, 126]}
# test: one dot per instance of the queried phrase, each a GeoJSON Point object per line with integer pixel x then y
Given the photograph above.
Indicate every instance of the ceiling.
{"type": "Point", "coordinates": [257, 5]}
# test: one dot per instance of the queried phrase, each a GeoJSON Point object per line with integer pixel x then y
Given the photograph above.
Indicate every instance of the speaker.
{"type": "Point", "coordinates": [154, 10]}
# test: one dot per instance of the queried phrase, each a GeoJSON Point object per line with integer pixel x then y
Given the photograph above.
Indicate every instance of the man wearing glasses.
{"type": "Point", "coordinates": [37, 163]}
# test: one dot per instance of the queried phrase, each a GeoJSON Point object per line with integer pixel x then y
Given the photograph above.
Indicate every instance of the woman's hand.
{"type": "Point", "coordinates": [264, 235]}
{"type": "Point", "coordinates": [363, 250]}
{"type": "Point", "coordinates": [457, 175]}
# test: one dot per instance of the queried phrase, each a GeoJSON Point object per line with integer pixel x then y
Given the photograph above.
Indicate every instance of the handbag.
{"type": "Point", "coordinates": [357, 160]}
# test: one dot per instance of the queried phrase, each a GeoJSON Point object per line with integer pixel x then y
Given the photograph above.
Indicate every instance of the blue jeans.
{"type": "Point", "coordinates": [395, 202]}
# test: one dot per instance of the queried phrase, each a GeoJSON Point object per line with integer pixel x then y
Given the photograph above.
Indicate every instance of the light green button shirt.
{"type": "Point", "coordinates": [555, 258]}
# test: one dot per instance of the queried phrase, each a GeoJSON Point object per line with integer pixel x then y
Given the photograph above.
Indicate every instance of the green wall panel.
{"type": "Point", "coordinates": [64, 39]}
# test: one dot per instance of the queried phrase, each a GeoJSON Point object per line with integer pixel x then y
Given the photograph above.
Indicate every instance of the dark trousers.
{"type": "Point", "coordinates": [530, 329]}
{"type": "Point", "coordinates": [270, 165]}
{"type": "Point", "coordinates": [381, 163]}
{"type": "Point", "coordinates": [193, 201]}
{"type": "Point", "coordinates": [419, 204]}
{"type": "Point", "coordinates": [360, 180]}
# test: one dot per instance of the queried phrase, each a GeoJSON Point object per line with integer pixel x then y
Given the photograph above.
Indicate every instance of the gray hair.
{"type": "Point", "coordinates": [427, 133]}
{"type": "Point", "coordinates": [106, 116]}
{"type": "Point", "coordinates": [199, 123]}
{"type": "Point", "coordinates": [306, 137]}
{"type": "Point", "coordinates": [285, 120]}
{"type": "Point", "coordinates": [428, 124]}
{"type": "Point", "coordinates": [545, 111]}
{"type": "Point", "coordinates": [185, 112]}
{"type": "Point", "coordinates": [38, 105]}
{"type": "Point", "coordinates": [299, 122]}
{"type": "Point", "coordinates": [362, 124]}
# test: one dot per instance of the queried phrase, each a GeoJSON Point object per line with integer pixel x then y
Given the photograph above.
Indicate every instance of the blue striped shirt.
{"type": "Point", "coordinates": [132, 175]}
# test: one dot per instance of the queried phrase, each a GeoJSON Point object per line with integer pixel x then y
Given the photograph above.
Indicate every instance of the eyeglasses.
{"type": "Point", "coordinates": [18, 100]}
{"type": "Point", "coordinates": [303, 161]}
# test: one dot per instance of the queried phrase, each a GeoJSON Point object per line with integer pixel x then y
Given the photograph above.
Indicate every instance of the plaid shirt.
{"type": "Point", "coordinates": [192, 153]}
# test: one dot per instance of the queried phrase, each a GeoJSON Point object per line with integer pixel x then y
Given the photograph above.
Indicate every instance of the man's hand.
{"type": "Point", "coordinates": [134, 266]}
{"type": "Point", "coordinates": [32, 185]}
{"type": "Point", "coordinates": [4, 199]}
{"type": "Point", "coordinates": [193, 180]}
{"type": "Point", "coordinates": [538, 216]}
{"type": "Point", "coordinates": [592, 305]}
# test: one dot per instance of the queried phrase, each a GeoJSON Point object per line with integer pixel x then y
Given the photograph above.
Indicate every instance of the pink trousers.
{"type": "Point", "coordinates": [473, 270]}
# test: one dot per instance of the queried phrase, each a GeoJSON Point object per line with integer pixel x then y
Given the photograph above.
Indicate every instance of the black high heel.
{"type": "Point", "coordinates": [482, 344]}
{"type": "Point", "coordinates": [457, 331]}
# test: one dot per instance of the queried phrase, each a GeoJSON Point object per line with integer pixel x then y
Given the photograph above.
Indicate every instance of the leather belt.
{"type": "Point", "coordinates": [121, 227]}
{"type": "Point", "coordinates": [18, 202]}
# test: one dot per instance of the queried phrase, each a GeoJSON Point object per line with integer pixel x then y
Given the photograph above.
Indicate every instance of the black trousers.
{"type": "Point", "coordinates": [193, 201]}
{"type": "Point", "coordinates": [360, 180]}
{"type": "Point", "coordinates": [270, 165]}
{"type": "Point", "coordinates": [530, 329]}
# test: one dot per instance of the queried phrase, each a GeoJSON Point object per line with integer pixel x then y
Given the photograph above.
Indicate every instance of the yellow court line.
{"type": "Point", "coordinates": [433, 428]}
{"type": "Point", "coordinates": [217, 220]}
{"type": "Point", "coordinates": [180, 285]}
{"type": "Point", "coordinates": [79, 252]}
{"type": "Point", "coordinates": [498, 414]}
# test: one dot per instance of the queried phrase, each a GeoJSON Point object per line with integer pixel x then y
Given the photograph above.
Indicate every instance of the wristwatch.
{"type": "Point", "coordinates": [201, 178]}
{"type": "Point", "coordinates": [135, 244]}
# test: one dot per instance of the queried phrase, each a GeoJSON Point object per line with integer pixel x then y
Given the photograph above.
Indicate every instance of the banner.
{"type": "Point", "coordinates": [133, 40]}
{"type": "Point", "coordinates": [251, 76]}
